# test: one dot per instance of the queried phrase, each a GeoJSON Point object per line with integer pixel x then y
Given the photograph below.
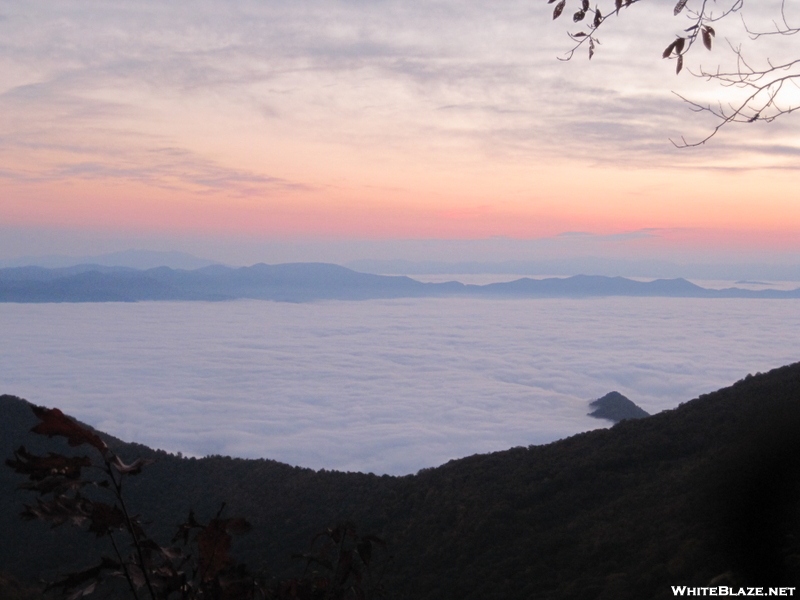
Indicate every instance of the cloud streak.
{"type": "Point", "coordinates": [438, 119]}
{"type": "Point", "coordinates": [492, 63]}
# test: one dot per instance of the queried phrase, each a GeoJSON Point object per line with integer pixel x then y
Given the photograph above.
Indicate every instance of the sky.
{"type": "Point", "coordinates": [387, 386]}
{"type": "Point", "coordinates": [263, 130]}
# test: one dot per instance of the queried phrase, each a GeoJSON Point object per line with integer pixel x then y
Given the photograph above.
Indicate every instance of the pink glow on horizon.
{"type": "Point", "coordinates": [281, 121]}
{"type": "Point", "coordinates": [696, 210]}
{"type": "Point", "coordinates": [129, 208]}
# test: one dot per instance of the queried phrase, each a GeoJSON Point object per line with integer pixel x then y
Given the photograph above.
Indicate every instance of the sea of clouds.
{"type": "Point", "coordinates": [387, 386]}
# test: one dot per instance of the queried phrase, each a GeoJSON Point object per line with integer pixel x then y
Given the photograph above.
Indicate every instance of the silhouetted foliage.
{"type": "Point", "coordinates": [198, 564]}
{"type": "Point", "coordinates": [770, 85]}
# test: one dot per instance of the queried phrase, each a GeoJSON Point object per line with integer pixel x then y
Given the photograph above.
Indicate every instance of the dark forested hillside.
{"type": "Point", "coordinates": [706, 490]}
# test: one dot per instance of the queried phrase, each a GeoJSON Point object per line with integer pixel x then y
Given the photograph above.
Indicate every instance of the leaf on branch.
{"type": "Point", "coordinates": [579, 34]}
{"type": "Point", "coordinates": [708, 33]}
{"type": "Point", "coordinates": [185, 528]}
{"type": "Point", "coordinates": [559, 9]}
{"type": "Point", "coordinates": [591, 48]}
{"type": "Point", "coordinates": [59, 510]}
{"type": "Point", "coordinates": [54, 422]}
{"type": "Point", "coordinates": [38, 468]}
{"type": "Point", "coordinates": [679, 7]}
{"type": "Point", "coordinates": [214, 542]}
{"type": "Point", "coordinates": [53, 485]}
{"type": "Point", "coordinates": [617, 5]}
{"type": "Point", "coordinates": [345, 566]}
{"type": "Point", "coordinates": [136, 574]}
{"type": "Point", "coordinates": [132, 469]}
{"type": "Point", "coordinates": [679, 65]}
{"type": "Point", "coordinates": [579, 16]}
{"type": "Point", "coordinates": [74, 580]}
{"type": "Point", "coordinates": [89, 589]}
{"type": "Point", "coordinates": [335, 533]}
{"type": "Point", "coordinates": [598, 18]}
{"type": "Point", "coordinates": [676, 46]}
{"type": "Point", "coordinates": [585, 5]}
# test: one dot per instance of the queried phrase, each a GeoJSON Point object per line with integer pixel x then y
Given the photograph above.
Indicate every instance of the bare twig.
{"type": "Point", "coordinates": [767, 98]}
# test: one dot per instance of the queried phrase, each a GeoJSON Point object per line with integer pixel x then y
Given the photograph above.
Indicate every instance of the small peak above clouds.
{"type": "Point", "coordinates": [135, 259]}
{"type": "Point", "coordinates": [616, 407]}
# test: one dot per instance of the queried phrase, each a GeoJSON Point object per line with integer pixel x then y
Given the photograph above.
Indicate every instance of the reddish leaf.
{"type": "Point", "coordinates": [598, 18]}
{"type": "Point", "coordinates": [679, 7]}
{"type": "Point", "coordinates": [679, 65]}
{"type": "Point", "coordinates": [559, 9]}
{"type": "Point", "coordinates": [213, 543]}
{"type": "Point", "coordinates": [617, 4]}
{"type": "Point", "coordinates": [54, 422]}
{"type": "Point", "coordinates": [578, 16]}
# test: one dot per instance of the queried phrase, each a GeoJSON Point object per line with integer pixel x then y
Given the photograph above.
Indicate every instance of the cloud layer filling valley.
{"type": "Point", "coordinates": [382, 386]}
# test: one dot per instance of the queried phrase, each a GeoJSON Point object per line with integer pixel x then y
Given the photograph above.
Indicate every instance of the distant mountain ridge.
{"type": "Point", "coordinates": [592, 265]}
{"type": "Point", "coordinates": [306, 282]}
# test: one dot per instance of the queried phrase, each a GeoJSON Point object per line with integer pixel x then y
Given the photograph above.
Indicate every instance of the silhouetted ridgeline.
{"type": "Point", "coordinates": [678, 498]}
{"type": "Point", "coordinates": [304, 282]}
